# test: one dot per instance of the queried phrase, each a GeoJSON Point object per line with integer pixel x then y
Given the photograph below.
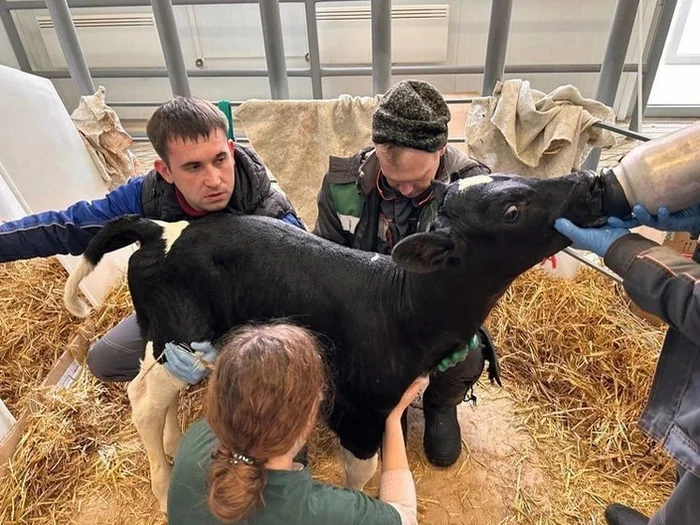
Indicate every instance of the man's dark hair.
{"type": "Point", "coordinates": [183, 118]}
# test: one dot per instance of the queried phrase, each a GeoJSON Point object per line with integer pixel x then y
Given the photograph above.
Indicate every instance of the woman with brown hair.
{"type": "Point", "coordinates": [263, 402]}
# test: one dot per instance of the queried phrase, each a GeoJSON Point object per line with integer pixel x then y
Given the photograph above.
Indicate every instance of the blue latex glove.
{"type": "Point", "coordinates": [687, 220]}
{"type": "Point", "coordinates": [596, 240]}
{"type": "Point", "coordinates": [184, 365]}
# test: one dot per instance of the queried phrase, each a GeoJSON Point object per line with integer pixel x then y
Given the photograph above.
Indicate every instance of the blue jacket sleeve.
{"type": "Point", "coordinates": [292, 219]}
{"type": "Point", "coordinates": [68, 231]}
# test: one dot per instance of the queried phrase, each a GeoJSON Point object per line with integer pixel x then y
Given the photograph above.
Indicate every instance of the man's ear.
{"type": "Point", "coordinates": [162, 168]}
{"type": "Point", "coordinates": [439, 190]}
{"type": "Point", "coordinates": [423, 252]}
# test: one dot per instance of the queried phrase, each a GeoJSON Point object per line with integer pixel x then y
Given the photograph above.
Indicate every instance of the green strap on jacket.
{"type": "Point", "coordinates": [460, 354]}
{"type": "Point", "coordinates": [349, 203]}
{"type": "Point", "coordinates": [225, 107]}
{"type": "Point", "coordinates": [348, 200]}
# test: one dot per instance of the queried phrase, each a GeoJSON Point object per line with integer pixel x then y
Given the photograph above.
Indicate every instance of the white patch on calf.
{"type": "Point", "coordinates": [473, 181]}
{"type": "Point", "coordinates": [171, 232]}
{"type": "Point", "coordinates": [375, 257]}
{"type": "Point", "coordinates": [73, 302]}
{"type": "Point", "coordinates": [152, 393]}
{"type": "Point", "coordinates": [357, 471]}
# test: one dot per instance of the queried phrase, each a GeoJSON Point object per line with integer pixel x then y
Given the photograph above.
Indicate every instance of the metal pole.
{"type": "Point", "coordinates": [618, 42]}
{"type": "Point", "coordinates": [314, 52]}
{"type": "Point", "coordinates": [157, 72]}
{"type": "Point", "coordinates": [601, 269]}
{"type": "Point", "coordinates": [39, 4]}
{"type": "Point", "coordinates": [70, 45]}
{"type": "Point", "coordinates": [499, 27]}
{"type": "Point", "coordinates": [355, 71]}
{"type": "Point", "coordinates": [656, 48]}
{"type": "Point", "coordinates": [274, 48]}
{"type": "Point", "coordinates": [146, 104]}
{"type": "Point", "coordinates": [614, 61]}
{"type": "Point", "coordinates": [15, 39]}
{"type": "Point", "coordinates": [622, 131]}
{"type": "Point", "coordinates": [170, 43]}
{"type": "Point", "coordinates": [381, 46]}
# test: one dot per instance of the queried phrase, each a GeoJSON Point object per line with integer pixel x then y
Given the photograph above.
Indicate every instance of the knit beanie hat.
{"type": "Point", "coordinates": [411, 114]}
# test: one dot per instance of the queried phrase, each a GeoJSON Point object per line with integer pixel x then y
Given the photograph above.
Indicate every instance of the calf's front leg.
{"type": "Point", "coordinates": [360, 434]}
{"type": "Point", "coordinates": [357, 471]}
{"type": "Point", "coordinates": [151, 394]}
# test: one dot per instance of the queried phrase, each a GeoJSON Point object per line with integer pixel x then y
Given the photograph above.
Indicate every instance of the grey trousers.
{"type": "Point", "coordinates": [116, 357]}
{"type": "Point", "coordinates": [683, 506]}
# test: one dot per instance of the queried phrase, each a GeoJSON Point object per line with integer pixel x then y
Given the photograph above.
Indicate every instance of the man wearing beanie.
{"type": "Point", "coordinates": [382, 194]}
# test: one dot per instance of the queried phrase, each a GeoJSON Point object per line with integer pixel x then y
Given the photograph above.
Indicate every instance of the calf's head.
{"type": "Point", "coordinates": [501, 223]}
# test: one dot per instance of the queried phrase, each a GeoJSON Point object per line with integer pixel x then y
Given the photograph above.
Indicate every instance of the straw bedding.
{"type": "Point", "coordinates": [81, 460]}
{"type": "Point", "coordinates": [34, 325]}
{"type": "Point", "coordinates": [580, 365]}
{"type": "Point", "coordinates": [576, 362]}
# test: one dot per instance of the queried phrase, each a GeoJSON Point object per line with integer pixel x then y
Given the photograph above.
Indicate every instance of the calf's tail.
{"type": "Point", "coordinates": [116, 234]}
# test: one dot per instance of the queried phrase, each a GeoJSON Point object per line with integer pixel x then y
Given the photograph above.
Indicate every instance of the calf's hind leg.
{"type": "Point", "coordinates": [152, 392]}
{"type": "Point", "coordinates": [172, 433]}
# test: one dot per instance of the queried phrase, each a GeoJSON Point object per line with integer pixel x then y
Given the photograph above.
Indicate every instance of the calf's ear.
{"type": "Point", "coordinates": [423, 252]}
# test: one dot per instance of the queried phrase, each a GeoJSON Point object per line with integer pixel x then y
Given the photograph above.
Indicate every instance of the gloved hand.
{"type": "Point", "coordinates": [460, 354]}
{"type": "Point", "coordinates": [186, 366]}
{"type": "Point", "coordinates": [596, 240]}
{"type": "Point", "coordinates": [687, 220]}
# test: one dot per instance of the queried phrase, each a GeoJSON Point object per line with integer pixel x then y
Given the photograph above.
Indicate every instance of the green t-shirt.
{"type": "Point", "coordinates": [291, 497]}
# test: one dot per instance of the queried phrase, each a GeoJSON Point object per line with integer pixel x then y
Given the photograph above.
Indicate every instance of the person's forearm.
{"type": "Point", "coordinates": [660, 281]}
{"type": "Point", "coordinates": [398, 490]}
{"type": "Point", "coordinates": [396, 486]}
{"type": "Point", "coordinates": [394, 447]}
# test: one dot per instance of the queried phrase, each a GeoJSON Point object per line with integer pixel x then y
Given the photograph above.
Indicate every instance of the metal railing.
{"type": "Point", "coordinates": [454, 140]}
{"type": "Point", "coordinates": [494, 68]}
{"type": "Point", "coordinates": [381, 70]}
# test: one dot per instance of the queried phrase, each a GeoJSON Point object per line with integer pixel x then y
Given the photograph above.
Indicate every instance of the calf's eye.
{"type": "Point", "coordinates": [511, 213]}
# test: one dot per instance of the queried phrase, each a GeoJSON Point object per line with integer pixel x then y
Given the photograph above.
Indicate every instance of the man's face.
{"type": "Point", "coordinates": [409, 171]}
{"type": "Point", "coordinates": [201, 170]}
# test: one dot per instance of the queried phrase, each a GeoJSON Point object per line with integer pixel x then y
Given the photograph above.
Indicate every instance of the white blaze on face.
{"type": "Point", "coordinates": [171, 232]}
{"type": "Point", "coordinates": [473, 181]}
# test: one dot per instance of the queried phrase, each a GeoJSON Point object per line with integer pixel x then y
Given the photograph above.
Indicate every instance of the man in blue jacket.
{"type": "Point", "coordinates": [199, 171]}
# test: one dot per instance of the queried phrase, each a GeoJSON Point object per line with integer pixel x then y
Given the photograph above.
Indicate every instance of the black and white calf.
{"type": "Point", "coordinates": [385, 320]}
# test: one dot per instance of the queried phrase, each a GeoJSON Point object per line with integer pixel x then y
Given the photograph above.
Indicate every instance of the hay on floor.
{"type": "Point", "coordinates": [580, 365]}
{"type": "Point", "coordinates": [34, 325]}
{"type": "Point", "coordinates": [80, 460]}
{"type": "Point", "coordinates": [78, 442]}
{"type": "Point", "coordinates": [77, 438]}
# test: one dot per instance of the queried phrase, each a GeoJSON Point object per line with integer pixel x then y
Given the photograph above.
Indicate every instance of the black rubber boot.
{"type": "Point", "coordinates": [442, 439]}
{"type": "Point", "coordinates": [617, 514]}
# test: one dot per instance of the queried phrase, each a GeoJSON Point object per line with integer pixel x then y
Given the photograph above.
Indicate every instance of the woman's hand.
{"type": "Point", "coordinates": [409, 395]}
